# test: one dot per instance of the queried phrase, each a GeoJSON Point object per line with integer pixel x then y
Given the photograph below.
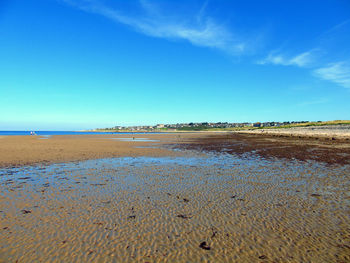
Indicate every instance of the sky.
{"type": "Point", "coordinates": [83, 64]}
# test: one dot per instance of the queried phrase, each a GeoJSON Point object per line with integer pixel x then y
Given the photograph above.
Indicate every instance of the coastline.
{"type": "Point", "coordinates": [302, 144]}
{"type": "Point", "coordinates": [252, 200]}
{"type": "Point", "coordinates": [328, 148]}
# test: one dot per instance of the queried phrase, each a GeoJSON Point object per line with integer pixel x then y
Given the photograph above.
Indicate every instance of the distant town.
{"type": "Point", "coordinates": [198, 126]}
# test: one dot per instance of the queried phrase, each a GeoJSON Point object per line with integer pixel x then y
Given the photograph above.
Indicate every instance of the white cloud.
{"type": "Point", "coordinates": [336, 72]}
{"type": "Point", "coordinates": [200, 30]}
{"type": "Point", "coordinates": [300, 60]}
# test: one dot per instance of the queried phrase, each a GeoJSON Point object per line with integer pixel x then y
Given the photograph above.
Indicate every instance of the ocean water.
{"type": "Point", "coordinates": [62, 133]}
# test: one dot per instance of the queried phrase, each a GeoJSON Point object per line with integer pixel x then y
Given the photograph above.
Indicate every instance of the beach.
{"type": "Point", "coordinates": [28, 150]}
{"type": "Point", "coordinates": [301, 143]}
{"type": "Point", "coordinates": [193, 197]}
{"type": "Point", "coordinates": [289, 144]}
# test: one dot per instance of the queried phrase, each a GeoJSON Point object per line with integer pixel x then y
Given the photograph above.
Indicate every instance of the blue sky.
{"type": "Point", "coordinates": [78, 64]}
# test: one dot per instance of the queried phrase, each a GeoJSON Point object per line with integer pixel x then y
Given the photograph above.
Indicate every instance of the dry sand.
{"type": "Point", "coordinates": [166, 206]}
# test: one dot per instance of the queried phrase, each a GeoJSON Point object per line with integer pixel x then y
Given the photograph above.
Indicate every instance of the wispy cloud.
{"type": "Point", "coordinates": [313, 102]}
{"type": "Point", "coordinates": [204, 31]}
{"type": "Point", "coordinates": [338, 72]}
{"type": "Point", "coordinates": [321, 60]}
{"type": "Point", "coordinates": [200, 30]}
{"type": "Point", "coordinates": [300, 60]}
{"type": "Point", "coordinates": [335, 28]}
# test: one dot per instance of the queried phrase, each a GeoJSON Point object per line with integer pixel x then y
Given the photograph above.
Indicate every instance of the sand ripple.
{"type": "Point", "coordinates": [217, 208]}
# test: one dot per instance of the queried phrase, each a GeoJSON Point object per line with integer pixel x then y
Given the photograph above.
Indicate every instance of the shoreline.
{"type": "Point", "coordinates": [19, 150]}
{"type": "Point", "coordinates": [327, 149]}
{"type": "Point", "coordinates": [303, 145]}
{"type": "Point", "coordinates": [184, 206]}
{"type": "Point", "coordinates": [196, 208]}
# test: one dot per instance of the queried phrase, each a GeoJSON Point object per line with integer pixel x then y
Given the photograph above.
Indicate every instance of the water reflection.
{"type": "Point", "coordinates": [134, 139]}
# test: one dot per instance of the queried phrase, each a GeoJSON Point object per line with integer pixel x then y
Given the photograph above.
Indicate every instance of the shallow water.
{"type": "Point", "coordinates": [134, 139]}
{"type": "Point", "coordinates": [44, 137]}
{"type": "Point", "coordinates": [163, 209]}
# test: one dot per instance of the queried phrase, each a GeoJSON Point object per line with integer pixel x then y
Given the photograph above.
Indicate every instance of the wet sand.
{"type": "Point", "coordinates": [28, 150]}
{"type": "Point", "coordinates": [283, 143]}
{"type": "Point", "coordinates": [157, 205]}
{"type": "Point", "coordinates": [325, 149]}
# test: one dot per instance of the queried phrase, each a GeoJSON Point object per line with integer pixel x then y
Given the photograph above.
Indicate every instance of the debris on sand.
{"type": "Point", "coordinates": [184, 216]}
{"type": "Point", "coordinates": [204, 246]}
{"type": "Point", "coordinates": [315, 195]}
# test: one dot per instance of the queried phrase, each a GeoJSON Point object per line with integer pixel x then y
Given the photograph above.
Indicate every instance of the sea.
{"type": "Point", "coordinates": [47, 133]}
